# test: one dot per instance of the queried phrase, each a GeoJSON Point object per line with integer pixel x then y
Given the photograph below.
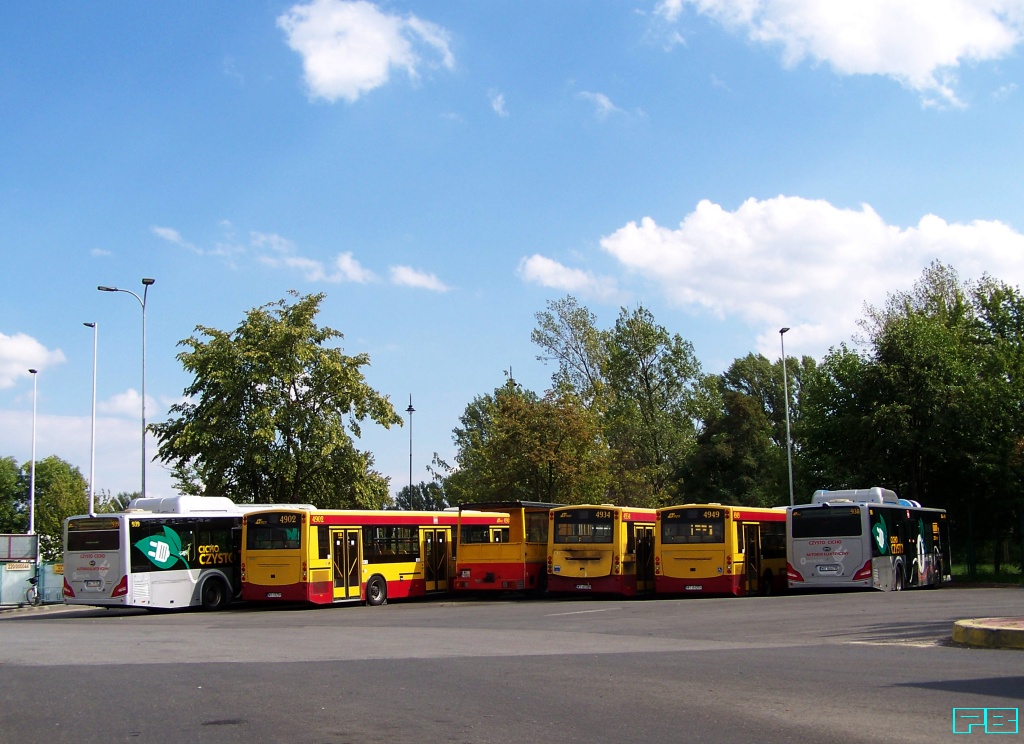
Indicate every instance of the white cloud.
{"type": "Point", "coordinates": [546, 272]}
{"type": "Point", "coordinates": [350, 270]}
{"type": "Point", "coordinates": [128, 403]}
{"type": "Point", "coordinates": [405, 276]}
{"type": "Point", "coordinates": [21, 352]}
{"type": "Point", "coordinates": [100, 253]}
{"type": "Point", "coordinates": [498, 103]}
{"type": "Point", "coordinates": [173, 236]}
{"type": "Point", "coordinates": [602, 104]}
{"type": "Point", "coordinates": [350, 48]}
{"type": "Point", "coordinates": [117, 448]}
{"type": "Point", "coordinates": [284, 254]}
{"type": "Point", "coordinates": [920, 43]}
{"type": "Point", "coordinates": [804, 263]}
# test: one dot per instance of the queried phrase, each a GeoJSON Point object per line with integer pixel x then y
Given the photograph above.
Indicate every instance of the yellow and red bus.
{"type": "Point", "coordinates": [511, 557]}
{"type": "Point", "coordinates": [327, 557]}
{"type": "Point", "coordinates": [716, 549]}
{"type": "Point", "coordinates": [601, 549]}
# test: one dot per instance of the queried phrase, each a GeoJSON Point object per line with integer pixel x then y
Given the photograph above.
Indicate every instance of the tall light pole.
{"type": "Point", "coordinates": [147, 283]}
{"type": "Point", "coordinates": [410, 410]}
{"type": "Point", "coordinates": [92, 444]}
{"type": "Point", "coordinates": [785, 392]}
{"type": "Point", "coordinates": [32, 469]}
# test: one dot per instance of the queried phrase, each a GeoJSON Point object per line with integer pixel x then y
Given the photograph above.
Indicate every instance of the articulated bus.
{"type": "Point", "coordinates": [512, 557]}
{"type": "Point", "coordinates": [601, 549]}
{"type": "Point", "coordinates": [160, 553]}
{"type": "Point", "coordinates": [328, 557]}
{"type": "Point", "coordinates": [716, 549]}
{"type": "Point", "coordinates": [867, 538]}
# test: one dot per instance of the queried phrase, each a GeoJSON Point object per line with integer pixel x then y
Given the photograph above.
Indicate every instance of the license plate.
{"type": "Point", "coordinates": [828, 568]}
{"type": "Point", "coordinates": [583, 586]}
{"type": "Point", "coordinates": [694, 587]}
{"type": "Point", "coordinates": [273, 595]}
{"type": "Point", "coordinates": [92, 583]}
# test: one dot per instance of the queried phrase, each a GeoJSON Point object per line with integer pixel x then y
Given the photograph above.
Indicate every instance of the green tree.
{"type": "Point", "coordinates": [567, 334]}
{"type": "Point", "coordinates": [13, 518]}
{"type": "Point", "coordinates": [659, 400]}
{"type": "Point", "coordinates": [108, 503]}
{"type": "Point", "coordinates": [272, 411]}
{"type": "Point", "coordinates": [514, 445]}
{"type": "Point", "coordinates": [422, 497]}
{"type": "Point", "coordinates": [61, 492]}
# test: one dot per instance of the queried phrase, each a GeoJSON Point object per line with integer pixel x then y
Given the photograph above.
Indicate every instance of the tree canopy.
{"type": "Point", "coordinates": [272, 412]}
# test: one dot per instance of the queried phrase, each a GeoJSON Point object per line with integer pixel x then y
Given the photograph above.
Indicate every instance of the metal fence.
{"type": "Point", "coordinates": [15, 584]}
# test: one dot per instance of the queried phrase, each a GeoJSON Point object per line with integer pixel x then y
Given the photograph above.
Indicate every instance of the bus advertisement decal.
{"type": "Point", "coordinates": [163, 551]}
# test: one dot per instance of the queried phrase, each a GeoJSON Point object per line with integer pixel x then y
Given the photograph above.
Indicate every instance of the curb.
{"type": "Point", "coordinates": [990, 632]}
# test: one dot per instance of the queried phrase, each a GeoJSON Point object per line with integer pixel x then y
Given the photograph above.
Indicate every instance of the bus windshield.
{"type": "Point", "coordinates": [703, 525]}
{"type": "Point", "coordinates": [87, 535]}
{"type": "Point", "coordinates": [827, 521]}
{"type": "Point", "coordinates": [584, 526]}
{"type": "Point", "coordinates": [273, 532]}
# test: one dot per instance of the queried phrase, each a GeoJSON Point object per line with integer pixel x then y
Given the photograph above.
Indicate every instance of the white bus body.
{"type": "Point", "coordinates": [160, 553]}
{"type": "Point", "coordinates": [867, 538]}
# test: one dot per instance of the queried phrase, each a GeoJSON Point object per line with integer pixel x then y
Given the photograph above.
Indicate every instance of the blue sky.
{"type": "Point", "coordinates": [440, 171]}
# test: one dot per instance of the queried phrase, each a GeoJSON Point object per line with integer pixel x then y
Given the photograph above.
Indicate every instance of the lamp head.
{"type": "Point", "coordinates": [782, 330]}
{"type": "Point", "coordinates": [107, 289]}
{"type": "Point", "coordinates": [148, 281]}
{"type": "Point", "coordinates": [89, 325]}
{"type": "Point", "coordinates": [34, 371]}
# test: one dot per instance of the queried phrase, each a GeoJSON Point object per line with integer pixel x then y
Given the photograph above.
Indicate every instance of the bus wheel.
{"type": "Point", "coordinates": [215, 594]}
{"type": "Point", "coordinates": [897, 580]}
{"type": "Point", "coordinates": [766, 588]}
{"type": "Point", "coordinates": [376, 591]}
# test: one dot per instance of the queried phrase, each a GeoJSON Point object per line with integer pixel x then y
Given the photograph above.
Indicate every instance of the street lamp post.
{"type": "Point", "coordinates": [410, 410]}
{"type": "Point", "coordinates": [92, 444]}
{"type": "Point", "coordinates": [147, 283]}
{"type": "Point", "coordinates": [32, 468]}
{"type": "Point", "coordinates": [785, 392]}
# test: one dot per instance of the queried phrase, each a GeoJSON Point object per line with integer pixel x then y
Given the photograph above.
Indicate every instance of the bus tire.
{"type": "Point", "coordinates": [214, 594]}
{"type": "Point", "coordinates": [897, 579]}
{"type": "Point", "coordinates": [376, 591]}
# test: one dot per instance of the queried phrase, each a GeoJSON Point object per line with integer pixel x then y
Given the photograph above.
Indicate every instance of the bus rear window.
{"type": "Point", "coordinates": [475, 533]}
{"type": "Point", "coordinates": [826, 521]}
{"type": "Point", "coordinates": [94, 540]}
{"type": "Point", "coordinates": [684, 526]}
{"type": "Point", "coordinates": [584, 526]}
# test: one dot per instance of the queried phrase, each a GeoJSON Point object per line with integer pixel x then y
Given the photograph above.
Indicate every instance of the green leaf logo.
{"type": "Point", "coordinates": [881, 538]}
{"type": "Point", "coordinates": [163, 552]}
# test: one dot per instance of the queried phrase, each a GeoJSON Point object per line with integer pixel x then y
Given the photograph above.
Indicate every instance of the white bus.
{"type": "Point", "coordinates": [866, 537]}
{"type": "Point", "coordinates": [160, 553]}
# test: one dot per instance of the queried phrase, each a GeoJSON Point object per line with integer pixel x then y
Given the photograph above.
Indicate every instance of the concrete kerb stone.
{"type": "Point", "coordinates": [990, 632]}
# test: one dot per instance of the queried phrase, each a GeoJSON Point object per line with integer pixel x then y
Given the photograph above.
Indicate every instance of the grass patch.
{"type": "Point", "coordinates": [985, 575]}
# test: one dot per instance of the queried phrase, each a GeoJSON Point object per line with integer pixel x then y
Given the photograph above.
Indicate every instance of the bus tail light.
{"type": "Point", "coordinates": [68, 591]}
{"type": "Point", "coordinates": [243, 572]}
{"type": "Point", "coordinates": [304, 571]}
{"type": "Point", "coordinates": [792, 574]}
{"type": "Point", "coordinates": [728, 565]}
{"type": "Point", "coordinates": [657, 565]}
{"type": "Point", "coordinates": [121, 589]}
{"type": "Point", "coordinates": [864, 573]}
{"type": "Point", "coordinates": [616, 568]}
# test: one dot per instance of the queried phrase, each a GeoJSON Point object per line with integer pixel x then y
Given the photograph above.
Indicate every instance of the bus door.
{"type": "Point", "coordinates": [643, 536]}
{"type": "Point", "coordinates": [436, 556]}
{"type": "Point", "coordinates": [752, 556]}
{"type": "Point", "coordinates": [347, 562]}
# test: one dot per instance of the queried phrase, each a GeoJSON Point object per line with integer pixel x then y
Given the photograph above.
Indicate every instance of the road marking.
{"type": "Point", "coordinates": [583, 612]}
{"type": "Point", "coordinates": [912, 644]}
